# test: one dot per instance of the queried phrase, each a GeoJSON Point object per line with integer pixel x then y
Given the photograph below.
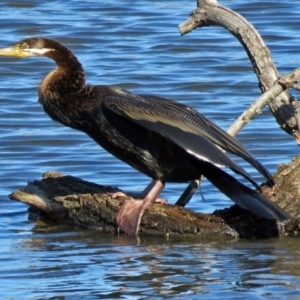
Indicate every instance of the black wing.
{"type": "Point", "coordinates": [178, 123]}
{"type": "Point", "coordinates": [214, 134]}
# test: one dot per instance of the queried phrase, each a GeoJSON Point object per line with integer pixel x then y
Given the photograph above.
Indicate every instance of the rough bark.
{"type": "Point", "coordinates": [208, 13]}
{"type": "Point", "coordinates": [256, 107]}
{"type": "Point", "coordinates": [72, 200]}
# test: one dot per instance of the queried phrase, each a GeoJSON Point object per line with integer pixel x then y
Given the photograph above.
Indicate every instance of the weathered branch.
{"type": "Point", "coordinates": [71, 200]}
{"type": "Point", "coordinates": [209, 13]}
{"type": "Point", "coordinates": [256, 106]}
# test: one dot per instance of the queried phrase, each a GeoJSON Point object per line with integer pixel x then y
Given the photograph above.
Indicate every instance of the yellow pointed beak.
{"type": "Point", "coordinates": [14, 51]}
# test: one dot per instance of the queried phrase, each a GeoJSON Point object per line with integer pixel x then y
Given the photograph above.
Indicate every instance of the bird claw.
{"type": "Point", "coordinates": [122, 194]}
{"type": "Point", "coordinates": [118, 195]}
{"type": "Point", "coordinates": [161, 201]}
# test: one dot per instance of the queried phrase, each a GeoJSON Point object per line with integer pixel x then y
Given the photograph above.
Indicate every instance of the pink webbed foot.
{"type": "Point", "coordinates": [131, 212]}
{"type": "Point", "coordinates": [130, 215]}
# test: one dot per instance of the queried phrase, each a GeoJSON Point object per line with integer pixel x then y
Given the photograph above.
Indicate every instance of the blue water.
{"type": "Point", "coordinates": [137, 45]}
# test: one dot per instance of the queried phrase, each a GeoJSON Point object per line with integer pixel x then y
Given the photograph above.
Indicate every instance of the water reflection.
{"type": "Point", "coordinates": [71, 261]}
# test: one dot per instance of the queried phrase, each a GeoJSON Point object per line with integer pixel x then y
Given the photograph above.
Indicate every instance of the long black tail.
{"type": "Point", "coordinates": [242, 195]}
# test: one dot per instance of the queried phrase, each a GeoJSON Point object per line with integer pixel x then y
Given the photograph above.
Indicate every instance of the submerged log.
{"type": "Point", "coordinates": [68, 199]}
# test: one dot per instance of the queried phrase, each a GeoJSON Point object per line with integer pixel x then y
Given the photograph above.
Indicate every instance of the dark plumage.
{"type": "Point", "coordinates": [165, 140]}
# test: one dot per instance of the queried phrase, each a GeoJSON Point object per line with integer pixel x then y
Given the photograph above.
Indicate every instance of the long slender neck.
{"type": "Point", "coordinates": [67, 78]}
{"type": "Point", "coordinates": [57, 91]}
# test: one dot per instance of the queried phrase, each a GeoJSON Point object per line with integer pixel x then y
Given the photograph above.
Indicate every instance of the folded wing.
{"type": "Point", "coordinates": [183, 126]}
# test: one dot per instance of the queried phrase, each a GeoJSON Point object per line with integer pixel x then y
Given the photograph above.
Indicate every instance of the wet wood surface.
{"type": "Point", "coordinates": [68, 199]}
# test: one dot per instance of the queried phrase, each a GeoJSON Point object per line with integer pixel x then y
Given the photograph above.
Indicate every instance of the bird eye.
{"type": "Point", "coordinates": [21, 46]}
{"type": "Point", "coordinates": [24, 45]}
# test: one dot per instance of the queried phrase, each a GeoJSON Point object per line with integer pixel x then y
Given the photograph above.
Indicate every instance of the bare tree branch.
{"type": "Point", "coordinates": [209, 13]}
{"type": "Point", "coordinates": [256, 106]}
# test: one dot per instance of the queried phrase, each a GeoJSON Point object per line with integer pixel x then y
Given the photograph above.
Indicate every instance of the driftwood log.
{"type": "Point", "coordinates": [69, 199]}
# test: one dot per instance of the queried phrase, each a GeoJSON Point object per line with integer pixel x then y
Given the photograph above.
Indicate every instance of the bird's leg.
{"type": "Point", "coordinates": [188, 193]}
{"type": "Point", "coordinates": [131, 212]}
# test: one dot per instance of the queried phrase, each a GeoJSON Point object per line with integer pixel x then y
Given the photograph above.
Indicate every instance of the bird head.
{"type": "Point", "coordinates": [36, 46]}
